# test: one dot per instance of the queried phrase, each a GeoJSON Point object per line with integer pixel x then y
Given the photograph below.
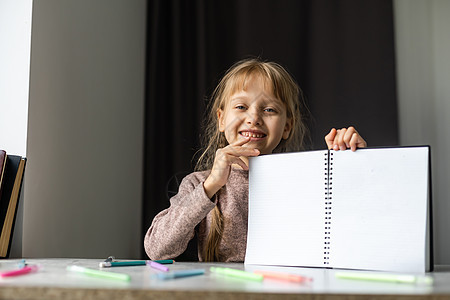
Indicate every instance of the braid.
{"type": "Point", "coordinates": [211, 250]}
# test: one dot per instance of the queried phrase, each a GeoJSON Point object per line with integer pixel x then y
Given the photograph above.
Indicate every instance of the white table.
{"type": "Point", "coordinates": [53, 281]}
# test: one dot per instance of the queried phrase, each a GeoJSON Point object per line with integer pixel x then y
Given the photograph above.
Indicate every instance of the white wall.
{"type": "Point", "coordinates": [423, 82]}
{"type": "Point", "coordinates": [83, 188]}
{"type": "Point", "coordinates": [15, 38]}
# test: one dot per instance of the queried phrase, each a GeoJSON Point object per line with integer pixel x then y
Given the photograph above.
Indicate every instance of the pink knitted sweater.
{"type": "Point", "coordinates": [173, 228]}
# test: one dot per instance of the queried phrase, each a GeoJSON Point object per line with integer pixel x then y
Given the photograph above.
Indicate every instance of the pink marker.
{"type": "Point", "coordinates": [21, 271]}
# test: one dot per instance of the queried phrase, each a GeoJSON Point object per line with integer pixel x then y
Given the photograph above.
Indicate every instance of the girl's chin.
{"type": "Point", "coordinates": [251, 144]}
{"type": "Point", "coordinates": [262, 150]}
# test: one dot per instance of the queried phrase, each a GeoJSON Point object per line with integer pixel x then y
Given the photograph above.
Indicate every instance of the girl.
{"type": "Point", "coordinates": [255, 111]}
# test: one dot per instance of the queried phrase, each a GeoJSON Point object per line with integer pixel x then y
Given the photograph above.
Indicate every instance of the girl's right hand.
{"type": "Point", "coordinates": [225, 157]}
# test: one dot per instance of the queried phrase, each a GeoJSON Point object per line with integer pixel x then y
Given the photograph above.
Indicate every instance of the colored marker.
{"type": "Point", "coordinates": [21, 271]}
{"type": "Point", "coordinates": [110, 258]}
{"type": "Point", "coordinates": [100, 274]}
{"type": "Point", "coordinates": [107, 264]}
{"type": "Point", "coordinates": [162, 261]}
{"type": "Point", "coordinates": [179, 274]}
{"type": "Point", "coordinates": [284, 276]}
{"type": "Point", "coordinates": [237, 273]}
{"type": "Point", "coordinates": [386, 277]}
{"type": "Point", "coordinates": [22, 264]}
{"type": "Point", "coordinates": [158, 266]}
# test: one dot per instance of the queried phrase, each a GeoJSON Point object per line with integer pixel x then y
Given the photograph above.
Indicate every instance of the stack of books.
{"type": "Point", "coordinates": [12, 169]}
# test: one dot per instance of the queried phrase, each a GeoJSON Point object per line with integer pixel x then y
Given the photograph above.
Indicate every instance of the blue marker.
{"type": "Point", "coordinates": [22, 264]}
{"type": "Point", "coordinates": [178, 274]}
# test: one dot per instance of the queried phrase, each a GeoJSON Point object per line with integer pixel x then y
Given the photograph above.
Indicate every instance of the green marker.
{"type": "Point", "coordinates": [107, 264]}
{"type": "Point", "coordinates": [237, 273]}
{"type": "Point", "coordinates": [162, 261]}
{"type": "Point", "coordinates": [386, 277]}
{"type": "Point", "coordinates": [97, 273]}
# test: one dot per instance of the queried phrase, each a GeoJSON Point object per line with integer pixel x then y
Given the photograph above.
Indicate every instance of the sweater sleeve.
{"type": "Point", "coordinates": [173, 228]}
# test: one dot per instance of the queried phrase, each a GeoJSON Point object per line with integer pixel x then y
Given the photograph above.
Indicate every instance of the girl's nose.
{"type": "Point", "coordinates": [253, 117]}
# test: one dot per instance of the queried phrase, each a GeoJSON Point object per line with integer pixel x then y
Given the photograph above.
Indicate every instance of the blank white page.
{"type": "Point", "coordinates": [379, 209]}
{"type": "Point", "coordinates": [286, 209]}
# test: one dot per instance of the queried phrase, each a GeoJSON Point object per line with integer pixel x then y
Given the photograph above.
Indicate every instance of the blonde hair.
{"type": "Point", "coordinates": [235, 79]}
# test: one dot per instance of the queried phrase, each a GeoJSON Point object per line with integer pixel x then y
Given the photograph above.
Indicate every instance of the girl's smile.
{"type": "Point", "coordinates": [254, 135]}
{"type": "Point", "coordinates": [255, 113]}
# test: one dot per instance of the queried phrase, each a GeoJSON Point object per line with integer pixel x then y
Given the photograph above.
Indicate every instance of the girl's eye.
{"type": "Point", "coordinates": [271, 110]}
{"type": "Point", "coordinates": [240, 107]}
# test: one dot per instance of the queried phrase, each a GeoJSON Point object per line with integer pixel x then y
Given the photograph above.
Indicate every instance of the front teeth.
{"type": "Point", "coordinates": [254, 135]}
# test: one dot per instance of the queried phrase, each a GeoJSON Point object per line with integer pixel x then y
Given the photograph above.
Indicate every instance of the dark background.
{"type": "Point", "coordinates": [340, 52]}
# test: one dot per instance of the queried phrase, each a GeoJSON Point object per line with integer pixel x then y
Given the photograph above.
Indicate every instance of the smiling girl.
{"type": "Point", "coordinates": [255, 111]}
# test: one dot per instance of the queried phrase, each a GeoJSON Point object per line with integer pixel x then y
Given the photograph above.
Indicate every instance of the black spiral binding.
{"type": "Point", "coordinates": [328, 203]}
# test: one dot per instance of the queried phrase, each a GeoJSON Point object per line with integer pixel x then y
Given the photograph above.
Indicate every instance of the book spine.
{"type": "Point", "coordinates": [328, 206]}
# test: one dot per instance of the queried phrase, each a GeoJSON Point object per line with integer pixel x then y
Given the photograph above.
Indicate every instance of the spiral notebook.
{"type": "Point", "coordinates": [369, 209]}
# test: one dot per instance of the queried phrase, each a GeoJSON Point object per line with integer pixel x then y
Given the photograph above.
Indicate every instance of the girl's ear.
{"type": "Point", "coordinates": [287, 128]}
{"type": "Point", "coordinates": [221, 119]}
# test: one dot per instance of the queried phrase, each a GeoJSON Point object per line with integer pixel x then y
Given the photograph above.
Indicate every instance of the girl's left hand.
{"type": "Point", "coordinates": [344, 138]}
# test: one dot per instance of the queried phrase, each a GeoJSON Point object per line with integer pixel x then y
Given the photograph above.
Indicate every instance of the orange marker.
{"type": "Point", "coordinates": [284, 276]}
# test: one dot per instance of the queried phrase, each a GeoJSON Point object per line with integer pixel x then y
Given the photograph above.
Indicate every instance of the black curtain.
{"type": "Point", "coordinates": [341, 52]}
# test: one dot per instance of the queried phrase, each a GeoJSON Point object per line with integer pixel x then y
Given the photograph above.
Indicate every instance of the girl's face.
{"type": "Point", "coordinates": [255, 113]}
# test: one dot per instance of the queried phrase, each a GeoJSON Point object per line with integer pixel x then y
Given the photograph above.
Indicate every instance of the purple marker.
{"type": "Point", "coordinates": [158, 266]}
